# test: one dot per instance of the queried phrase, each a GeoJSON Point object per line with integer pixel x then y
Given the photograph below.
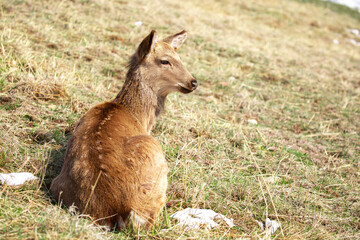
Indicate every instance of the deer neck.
{"type": "Point", "coordinates": [140, 100]}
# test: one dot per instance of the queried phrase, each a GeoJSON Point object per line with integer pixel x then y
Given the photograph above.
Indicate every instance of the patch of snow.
{"type": "Point", "coordinates": [138, 23]}
{"type": "Point", "coordinates": [261, 225]}
{"type": "Point", "coordinates": [354, 31]}
{"type": "Point", "coordinates": [272, 179]}
{"type": "Point", "coordinates": [354, 42]}
{"type": "Point", "coordinates": [30, 76]}
{"type": "Point", "coordinates": [195, 218]}
{"type": "Point", "coordinates": [335, 41]}
{"type": "Point", "coordinates": [14, 179]}
{"type": "Point", "coordinates": [354, 4]}
{"type": "Point", "coordinates": [272, 225]}
{"type": "Point", "coordinates": [252, 122]}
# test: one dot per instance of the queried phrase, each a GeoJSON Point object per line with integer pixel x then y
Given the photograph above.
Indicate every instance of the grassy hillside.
{"type": "Point", "coordinates": [273, 61]}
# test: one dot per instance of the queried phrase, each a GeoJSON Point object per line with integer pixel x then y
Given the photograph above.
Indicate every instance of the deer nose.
{"type": "Point", "coordinates": [194, 84]}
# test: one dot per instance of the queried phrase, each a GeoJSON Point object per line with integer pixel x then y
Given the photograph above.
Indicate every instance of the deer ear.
{"type": "Point", "coordinates": [147, 45]}
{"type": "Point", "coordinates": [176, 40]}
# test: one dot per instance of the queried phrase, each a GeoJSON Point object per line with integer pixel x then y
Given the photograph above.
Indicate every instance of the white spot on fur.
{"type": "Point", "coordinates": [100, 156]}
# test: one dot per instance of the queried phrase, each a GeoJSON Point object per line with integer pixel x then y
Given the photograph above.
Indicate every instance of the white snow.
{"type": "Point", "coordinates": [138, 23]}
{"type": "Point", "coordinates": [261, 225]}
{"type": "Point", "coordinates": [354, 42]}
{"type": "Point", "coordinates": [355, 4]}
{"type": "Point", "coordinates": [252, 122]}
{"type": "Point", "coordinates": [354, 31]}
{"type": "Point", "coordinates": [14, 179]}
{"type": "Point", "coordinates": [195, 218]}
{"type": "Point", "coordinates": [231, 79]}
{"type": "Point", "coordinates": [270, 225]}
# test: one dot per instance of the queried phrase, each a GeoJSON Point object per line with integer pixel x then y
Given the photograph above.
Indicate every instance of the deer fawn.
{"type": "Point", "coordinates": [114, 170]}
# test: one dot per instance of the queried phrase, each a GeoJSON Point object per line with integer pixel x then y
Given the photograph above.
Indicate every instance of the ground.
{"type": "Point", "coordinates": [273, 61]}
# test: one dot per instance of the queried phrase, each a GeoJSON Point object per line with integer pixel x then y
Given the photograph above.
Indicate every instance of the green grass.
{"type": "Point", "coordinates": [273, 61]}
{"type": "Point", "coordinates": [337, 8]}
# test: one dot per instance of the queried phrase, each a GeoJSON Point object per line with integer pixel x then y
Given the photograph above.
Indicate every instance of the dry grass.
{"type": "Point", "coordinates": [299, 165]}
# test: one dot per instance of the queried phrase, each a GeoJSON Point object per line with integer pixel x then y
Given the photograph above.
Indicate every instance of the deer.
{"type": "Point", "coordinates": [114, 171]}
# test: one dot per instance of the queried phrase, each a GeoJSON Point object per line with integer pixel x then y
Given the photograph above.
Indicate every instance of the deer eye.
{"type": "Point", "coordinates": [164, 62]}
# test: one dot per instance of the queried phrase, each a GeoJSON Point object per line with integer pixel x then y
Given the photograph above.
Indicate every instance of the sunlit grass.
{"type": "Point", "coordinates": [272, 61]}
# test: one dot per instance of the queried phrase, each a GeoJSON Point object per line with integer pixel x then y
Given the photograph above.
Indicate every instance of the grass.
{"type": "Point", "coordinates": [338, 8]}
{"type": "Point", "coordinates": [273, 61]}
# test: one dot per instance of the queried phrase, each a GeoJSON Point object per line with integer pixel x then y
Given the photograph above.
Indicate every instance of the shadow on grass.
{"type": "Point", "coordinates": [56, 158]}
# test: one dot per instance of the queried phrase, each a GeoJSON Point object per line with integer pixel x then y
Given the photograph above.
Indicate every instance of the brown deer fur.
{"type": "Point", "coordinates": [113, 169]}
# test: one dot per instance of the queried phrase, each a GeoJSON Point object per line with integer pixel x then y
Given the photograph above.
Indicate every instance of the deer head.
{"type": "Point", "coordinates": [161, 67]}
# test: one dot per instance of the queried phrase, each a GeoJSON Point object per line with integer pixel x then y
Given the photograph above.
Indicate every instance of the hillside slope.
{"type": "Point", "coordinates": [273, 61]}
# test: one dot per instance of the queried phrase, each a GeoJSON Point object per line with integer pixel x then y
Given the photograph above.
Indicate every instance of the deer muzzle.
{"type": "Point", "coordinates": [189, 88]}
